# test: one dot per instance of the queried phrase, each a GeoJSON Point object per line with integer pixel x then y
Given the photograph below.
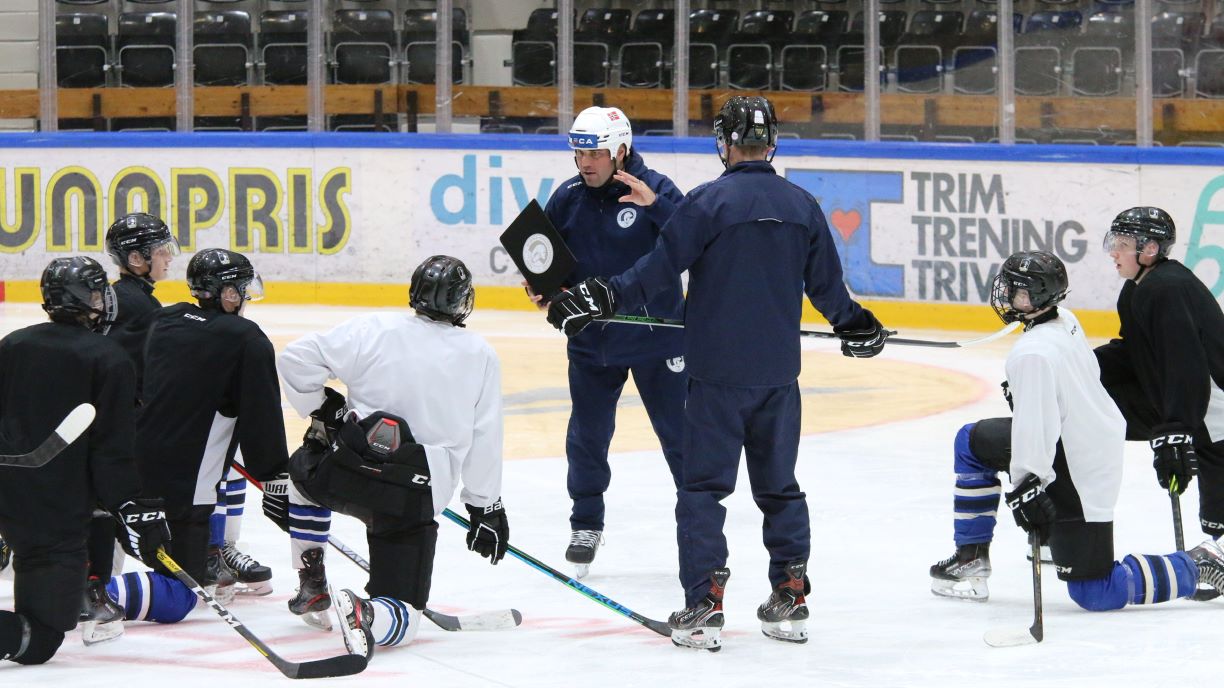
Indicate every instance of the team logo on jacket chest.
{"type": "Point", "coordinates": [537, 253]}
{"type": "Point", "coordinates": [676, 365]}
{"type": "Point", "coordinates": [626, 217]}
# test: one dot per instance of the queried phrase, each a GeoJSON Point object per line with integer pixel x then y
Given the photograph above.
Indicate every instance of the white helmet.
{"type": "Point", "coordinates": [601, 127]}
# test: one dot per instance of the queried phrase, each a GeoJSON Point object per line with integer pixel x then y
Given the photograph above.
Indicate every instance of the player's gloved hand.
{"type": "Point", "coordinates": [1032, 508]}
{"type": "Point", "coordinates": [1007, 395]}
{"type": "Point", "coordinates": [1174, 458]}
{"type": "Point", "coordinates": [144, 528]}
{"type": "Point", "coordinates": [865, 341]}
{"type": "Point", "coordinates": [276, 501]}
{"type": "Point", "coordinates": [326, 420]}
{"type": "Point", "coordinates": [574, 309]}
{"type": "Point", "coordinates": [490, 532]}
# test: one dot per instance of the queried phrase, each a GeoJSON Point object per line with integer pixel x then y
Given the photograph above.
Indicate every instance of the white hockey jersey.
{"type": "Point", "coordinates": [1056, 391]}
{"type": "Point", "coordinates": [444, 380]}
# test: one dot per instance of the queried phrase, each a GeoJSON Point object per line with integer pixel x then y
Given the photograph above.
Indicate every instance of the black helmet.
{"type": "Point", "coordinates": [75, 289]}
{"type": "Point", "coordinates": [138, 232]}
{"type": "Point", "coordinates": [1040, 273]}
{"type": "Point", "coordinates": [745, 121]}
{"type": "Point", "coordinates": [1144, 223]}
{"type": "Point", "coordinates": [442, 290]}
{"type": "Point", "coordinates": [213, 269]}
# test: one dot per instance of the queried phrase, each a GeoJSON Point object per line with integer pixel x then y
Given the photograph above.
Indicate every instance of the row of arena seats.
{"type": "Point", "coordinates": [1059, 50]}
{"type": "Point", "coordinates": [363, 47]}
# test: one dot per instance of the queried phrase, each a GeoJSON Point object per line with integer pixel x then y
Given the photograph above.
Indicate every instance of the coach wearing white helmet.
{"type": "Point", "coordinates": [610, 215]}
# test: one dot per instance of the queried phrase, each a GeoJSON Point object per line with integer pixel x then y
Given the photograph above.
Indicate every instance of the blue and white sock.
{"type": "Point", "coordinates": [975, 502]}
{"type": "Point", "coordinates": [308, 525]}
{"type": "Point", "coordinates": [150, 596]}
{"type": "Point", "coordinates": [395, 622]}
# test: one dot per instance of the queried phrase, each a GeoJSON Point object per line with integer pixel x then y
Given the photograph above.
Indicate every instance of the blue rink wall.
{"type": "Point", "coordinates": [342, 218]}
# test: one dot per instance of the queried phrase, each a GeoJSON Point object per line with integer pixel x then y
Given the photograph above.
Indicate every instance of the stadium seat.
{"type": "Point", "coordinates": [1209, 71]}
{"type": "Point", "coordinates": [145, 45]}
{"type": "Point", "coordinates": [709, 34]}
{"type": "Point", "coordinates": [918, 59]}
{"type": "Point", "coordinates": [363, 46]}
{"type": "Point", "coordinates": [644, 55]}
{"type": "Point", "coordinates": [222, 54]}
{"type": "Point", "coordinates": [420, 45]}
{"type": "Point", "coordinates": [533, 50]}
{"type": "Point", "coordinates": [804, 62]}
{"type": "Point", "coordinates": [81, 50]}
{"type": "Point", "coordinates": [282, 37]}
{"type": "Point", "coordinates": [751, 50]}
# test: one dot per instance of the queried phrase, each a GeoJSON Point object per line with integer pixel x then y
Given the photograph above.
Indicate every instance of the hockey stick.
{"type": "Point", "coordinates": [486, 621]}
{"type": "Point", "coordinates": [500, 620]}
{"type": "Point", "coordinates": [1201, 594]}
{"type": "Point", "coordinates": [657, 626]}
{"type": "Point", "coordinates": [1006, 637]}
{"type": "Point", "coordinates": [340, 665]}
{"type": "Point", "coordinates": [665, 322]}
{"type": "Point", "coordinates": [70, 428]}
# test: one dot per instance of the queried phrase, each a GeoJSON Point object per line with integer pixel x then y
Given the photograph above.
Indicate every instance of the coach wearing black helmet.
{"type": "Point", "coordinates": [754, 244]}
{"type": "Point", "coordinates": [1166, 368]}
{"type": "Point", "coordinates": [46, 370]}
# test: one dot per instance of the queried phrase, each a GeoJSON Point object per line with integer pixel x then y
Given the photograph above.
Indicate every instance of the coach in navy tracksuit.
{"type": "Point", "coordinates": [607, 235]}
{"type": "Point", "coordinates": [753, 244]}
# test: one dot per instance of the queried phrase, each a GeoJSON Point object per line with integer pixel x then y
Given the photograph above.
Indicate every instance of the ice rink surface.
{"type": "Point", "coordinates": [880, 501]}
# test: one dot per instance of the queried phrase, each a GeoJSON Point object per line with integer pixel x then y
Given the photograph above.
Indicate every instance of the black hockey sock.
{"type": "Point", "coordinates": [101, 546]}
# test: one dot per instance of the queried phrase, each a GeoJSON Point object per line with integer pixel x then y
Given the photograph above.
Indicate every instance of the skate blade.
{"type": "Point", "coordinates": [973, 589]}
{"type": "Point", "coordinates": [581, 571]}
{"type": "Point", "coordinates": [796, 633]}
{"type": "Point", "coordinates": [253, 589]}
{"type": "Point", "coordinates": [1204, 594]}
{"type": "Point", "coordinates": [320, 620]}
{"type": "Point", "coordinates": [93, 633]}
{"type": "Point", "coordinates": [354, 639]}
{"type": "Point", "coordinates": [697, 639]}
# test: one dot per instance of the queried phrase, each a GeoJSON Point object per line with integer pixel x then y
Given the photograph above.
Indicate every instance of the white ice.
{"type": "Point", "coordinates": [880, 500]}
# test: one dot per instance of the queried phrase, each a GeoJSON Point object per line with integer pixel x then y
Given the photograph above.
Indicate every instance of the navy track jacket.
{"type": "Point", "coordinates": [606, 237]}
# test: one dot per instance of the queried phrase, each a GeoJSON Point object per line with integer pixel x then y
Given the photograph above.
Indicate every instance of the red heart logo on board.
{"type": "Point", "coordinates": [846, 223]}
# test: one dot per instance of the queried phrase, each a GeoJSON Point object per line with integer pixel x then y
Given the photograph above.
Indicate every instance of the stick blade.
{"type": "Point", "coordinates": [332, 667]}
{"type": "Point", "coordinates": [1011, 637]}
{"type": "Point", "coordinates": [75, 423]}
{"type": "Point", "coordinates": [499, 620]}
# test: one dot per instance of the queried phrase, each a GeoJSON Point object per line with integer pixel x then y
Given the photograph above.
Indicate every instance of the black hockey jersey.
{"type": "Point", "coordinates": [46, 370]}
{"type": "Point", "coordinates": [137, 306]}
{"type": "Point", "coordinates": [1172, 343]}
{"type": "Point", "coordinates": [210, 386]}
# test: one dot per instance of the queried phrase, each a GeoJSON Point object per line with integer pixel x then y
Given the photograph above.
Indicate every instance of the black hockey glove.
{"type": "Point", "coordinates": [276, 501]}
{"type": "Point", "coordinates": [1032, 508]}
{"type": "Point", "coordinates": [326, 420]}
{"type": "Point", "coordinates": [863, 342]}
{"type": "Point", "coordinates": [573, 309]}
{"type": "Point", "coordinates": [1174, 459]}
{"type": "Point", "coordinates": [490, 532]}
{"type": "Point", "coordinates": [144, 528]}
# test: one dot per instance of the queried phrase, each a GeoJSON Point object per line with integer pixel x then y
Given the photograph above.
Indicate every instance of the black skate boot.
{"type": "Point", "coordinates": [219, 579]}
{"type": "Point", "coordinates": [253, 578]}
{"type": "Point", "coordinates": [583, 545]}
{"type": "Point", "coordinates": [787, 606]}
{"type": "Point", "coordinates": [699, 627]}
{"type": "Point", "coordinates": [5, 554]}
{"type": "Point", "coordinates": [312, 599]}
{"type": "Point", "coordinates": [1210, 561]}
{"type": "Point", "coordinates": [963, 575]}
{"type": "Point", "coordinates": [101, 619]}
{"type": "Point", "coordinates": [356, 616]}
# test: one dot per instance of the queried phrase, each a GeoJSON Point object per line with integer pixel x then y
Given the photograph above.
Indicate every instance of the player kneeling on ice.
{"type": "Point", "coordinates": [426, 411]}
{"type": "Point", "coordinates": [46, 371]}
{"type": "Point", "coordinates": [1063, 449]}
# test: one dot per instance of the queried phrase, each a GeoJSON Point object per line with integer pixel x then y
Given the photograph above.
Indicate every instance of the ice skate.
{"type": "Point", "coordinates": [963, 575]}
{"type": "Point", "coordinates": [1210, 561]}
{"type": "Point", "coordinates": [583, 545]}
{"type": "Point", "coordinates": [312, 599]}
{"type": "Point", "coordinates": [699, 627]}
{"type": "Point", "coordinates": [784, 615]}
{"type": "Point", "coordinates": [219, 579]}
{"type": "Point", "coordinates": [252, 577]}
{"type": "Point", "coordinates": [356, 615]}
{"type": "Point", "coordinates": [101, 619]}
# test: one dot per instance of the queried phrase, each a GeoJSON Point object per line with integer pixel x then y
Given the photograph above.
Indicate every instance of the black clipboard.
{"type": "Point", "coordinates": [538, 251]}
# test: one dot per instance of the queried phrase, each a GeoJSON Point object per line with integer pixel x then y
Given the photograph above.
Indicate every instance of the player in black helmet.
{"type": "Point", "coordinates": [1062, 448]}
{"type": "Point", "coordinates": [424, 413]}
{"type": "Point", "coordinates": [143, 248]}
{"type": "Point", "coordinates": [1165, 370]}
{"type": "Point", "coordinates": [45, 511]}
{"type": "Point", "coordinates": [754, 244]}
